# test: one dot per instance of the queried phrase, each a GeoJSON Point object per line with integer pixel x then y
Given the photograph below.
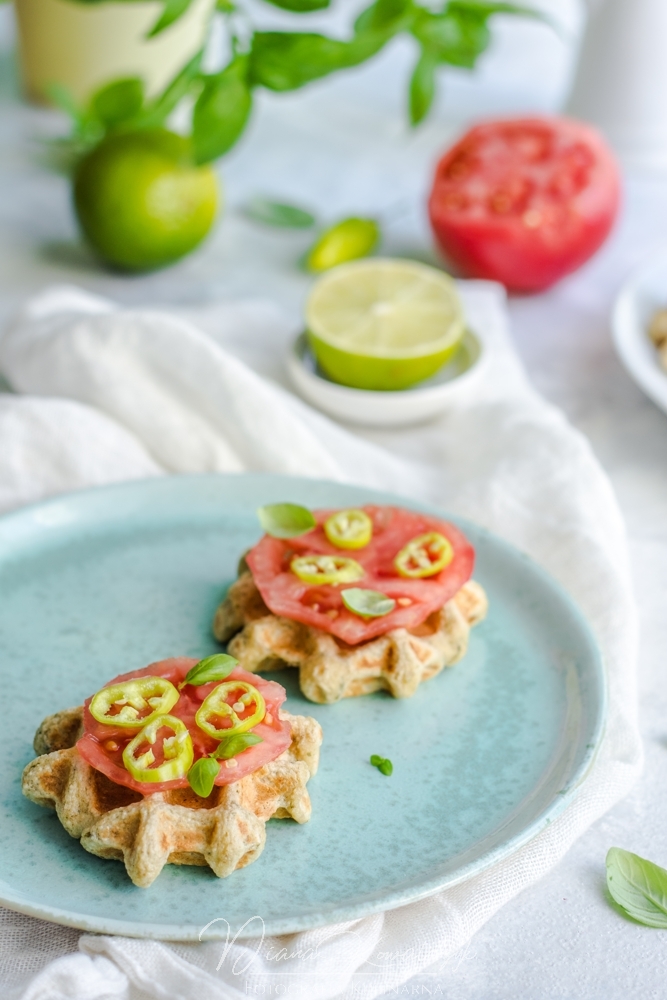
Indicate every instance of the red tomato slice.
{"type": "Point", "coordinates": [276, 735]}
{"type": "Point", "coordinates": [525, 201]}
{"type": "Point", "coordinates": [322, 606]}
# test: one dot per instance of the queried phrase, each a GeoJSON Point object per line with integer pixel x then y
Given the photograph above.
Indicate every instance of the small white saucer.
{"type": "Point", "coordinates": [387, 409]}
{"type": "Point", "coordinates": [640, 297]}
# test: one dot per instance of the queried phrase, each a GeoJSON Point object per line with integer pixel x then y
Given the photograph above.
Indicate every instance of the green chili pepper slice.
{"type": "Point", "coordinates": [122, 704]}
{"type": "Point", "coordinates": [349, 529]}
{"type": "Point", "coordinates": [425, 555]}
{"type": "Point", "coordinates": [177, 751]}
{"type": "Point", "coordinates": [347, 240]}
{"type": "Point", "coordinates": [216, 705]}
{"type": "Point", "coordinates": [326, 569]}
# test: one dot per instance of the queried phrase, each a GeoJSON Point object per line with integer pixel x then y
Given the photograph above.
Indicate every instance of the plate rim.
{"type": "Point", "coordinates": [396, 898]}
{"type": "Point", "coordinates": [648, 376]}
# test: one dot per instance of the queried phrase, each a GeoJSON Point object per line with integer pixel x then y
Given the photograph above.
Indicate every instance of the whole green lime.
{"type": "Point", "coordinates": [141, 200]}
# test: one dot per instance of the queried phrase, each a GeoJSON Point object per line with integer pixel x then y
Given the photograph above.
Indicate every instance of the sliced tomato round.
{"type": "Point", "coordinates": [525, 201]}
{"type": "Point", "coordinates": [102, 745]}
{"type": "Point", "coordinates": [322, 605]}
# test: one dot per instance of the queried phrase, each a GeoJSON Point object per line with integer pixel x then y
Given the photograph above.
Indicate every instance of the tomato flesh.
{"type": "Point", "coordinates": [525, 201]}
{"type": "Point", "coordinates": [322, 605]}
{"type": "Point", "coordinates": [102, 745]}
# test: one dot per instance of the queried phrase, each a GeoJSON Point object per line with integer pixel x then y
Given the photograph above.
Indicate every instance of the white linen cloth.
{"type": "Point", "coordinates": [109, 394]}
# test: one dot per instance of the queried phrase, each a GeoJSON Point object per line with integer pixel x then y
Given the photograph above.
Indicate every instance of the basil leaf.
{"type": "Point", "coordinates": [482, 8]}
{"type": "Point", "coordinates": [367, 603]}
{"type": "Point", "coordinates": [202, 775]}
{"type": "Point", "coordinates": [118, 101]}
{"type": "Point", "coordinates": [211, 668]}
{"type": "Point", "coordinates": [233, 745]}
{"type": "Point", "coordinates": [300, 6]}
{"type": "Point", "coordinates": [171, 12]}
{"type": "Point", "coordinates": [277, 213]}
{"type": "Point", "coordinates": [221, 111]}
{"type": "Point", "coordinates": [285, 520]}
{"type": "Point", "coordinates": [385, 18]}
{"type": "Point", "coordinates": [383, 764]}
{"type": "Point", "coordinates": [454, 38]}
{"type": "Point", "coordinates": [283, 60]}
{"type": "Point", "coordinates": [638, 886]}
{"type": "Point", "coordinates": [422, 86]}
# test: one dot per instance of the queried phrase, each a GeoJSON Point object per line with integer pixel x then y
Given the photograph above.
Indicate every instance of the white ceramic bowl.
{"type": "Point", "coordinates": [640, 297]}
{"type": "Point", "coordinates": [387, 409]}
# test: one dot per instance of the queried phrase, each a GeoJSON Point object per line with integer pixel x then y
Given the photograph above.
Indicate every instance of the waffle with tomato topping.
{"type": "Point", "coordinates": [148, 827]}
{"type": "Point", "coordinates": [271, 617]}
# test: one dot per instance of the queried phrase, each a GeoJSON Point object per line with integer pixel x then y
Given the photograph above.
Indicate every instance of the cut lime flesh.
{"type": "Point", "coordinates": [384, 324]}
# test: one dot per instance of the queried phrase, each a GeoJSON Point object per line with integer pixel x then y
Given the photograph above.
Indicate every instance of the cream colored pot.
{"type": "Point", "coordinates": [85, 45]}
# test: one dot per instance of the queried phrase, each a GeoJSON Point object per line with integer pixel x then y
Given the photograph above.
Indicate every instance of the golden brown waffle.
{"type": "Point", "coordinates": [225, 831]}
{"type": "Point", "coordinates": [329, 669]}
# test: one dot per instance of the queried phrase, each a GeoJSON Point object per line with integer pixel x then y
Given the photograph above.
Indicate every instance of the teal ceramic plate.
{"type": "Point", "coordinates": [485, 755]}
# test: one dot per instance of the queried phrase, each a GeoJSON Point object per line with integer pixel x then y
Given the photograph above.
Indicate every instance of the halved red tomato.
{"type": "Point", "coordinates": [322, 605]}
{"type": "Point", "coordinates": [525, 201]}
{"type": "Point", "coordinates": [102, 745]}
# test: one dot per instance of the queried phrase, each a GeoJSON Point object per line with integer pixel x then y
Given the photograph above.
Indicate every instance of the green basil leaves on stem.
{"type": "Point", "coordinates": [277, 213]}
{"type": "Point", "coordinates": [638, 886]}
{"type": "Point", "coordinates": [285, 520]}
{"type": "Point", "coordinates": [211, 668]}
{"type": "Point", "coordinates": [383, 764]}
{"type": "Point", "coordinates": [367, 603]}
{"type": "Point", "coordinates": [202, 775]}
{"type": "Point", "coordinates": [221, 111]}
{"type": "Point", "coordinates": [233, 745]}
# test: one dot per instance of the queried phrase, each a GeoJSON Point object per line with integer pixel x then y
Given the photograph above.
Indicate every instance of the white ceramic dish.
{"type": "Point", "coordinates": [640, 297]}
{"type": "Point", "coordinates": [387, 409]}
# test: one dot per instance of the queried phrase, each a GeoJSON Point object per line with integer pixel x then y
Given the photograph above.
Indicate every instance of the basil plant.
{"type": "Point", "coordinates": [456, 34]}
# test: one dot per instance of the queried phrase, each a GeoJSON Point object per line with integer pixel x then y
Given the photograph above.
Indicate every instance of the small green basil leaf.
{"type": "Point", "coordinates": [202, 775]}
{"type": "Point", "coordinates": [376, 760]}
{"type": "Point", "coordinates": [386, 767]}
{"type": "Point", "coordinates": [171, 12]}
{"type": "Point", "coordinates": [300, 6]}
{"type": "Point", "coordinates": [422, 86]}
{"type": "Point", "coordinates": [638, 886]}
{"type": "Point", "coordinates": [221, 111]}
{"type": "Point", "coordinates": [118, 101]}
{"type": "Point", "coordinates": [367, 603]}
{"type": "Point", "coordinates": [211, 668]}
{"type": "Point", "coordinates": [277, 213]}
{"type": "Point", "coordinates": [233, 745]}
{"type": "Point", "coordinates": [285, 520]}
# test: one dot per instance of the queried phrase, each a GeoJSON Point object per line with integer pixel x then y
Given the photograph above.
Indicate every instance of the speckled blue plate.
{"type": "Point", "coordinates": [485, 754]}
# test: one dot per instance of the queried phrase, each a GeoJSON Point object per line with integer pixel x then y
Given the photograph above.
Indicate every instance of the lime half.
{"type": "Point", "coordinates": [384, 324]}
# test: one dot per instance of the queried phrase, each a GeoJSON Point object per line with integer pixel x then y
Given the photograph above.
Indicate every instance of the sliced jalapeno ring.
{"type": "Point", "coordinates": [122, 704]}
{"type": "Point", "coordinates": [216, 705]}
{"type": "Point", "coordinates": [425, 555]}
{"type": "Point", "coordinates": [349, 529]}
{"type": "Point", "coordinates": [177, 751]}
{"type": "Point", "coordinates": [326, 569]}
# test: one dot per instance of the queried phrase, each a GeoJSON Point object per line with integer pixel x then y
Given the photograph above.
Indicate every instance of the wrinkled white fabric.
{"type": "Point", "coordinates": [105, 394]}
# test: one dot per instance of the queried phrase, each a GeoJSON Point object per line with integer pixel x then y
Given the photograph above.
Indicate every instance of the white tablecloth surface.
{"type": "Point", "coordinates": [560, 938]}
